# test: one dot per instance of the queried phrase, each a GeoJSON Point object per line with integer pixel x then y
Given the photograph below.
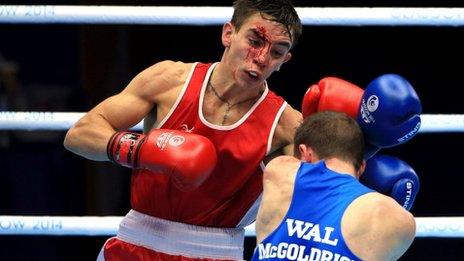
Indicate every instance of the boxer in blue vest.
{"type": "Point", "coordinates": [314, 207]}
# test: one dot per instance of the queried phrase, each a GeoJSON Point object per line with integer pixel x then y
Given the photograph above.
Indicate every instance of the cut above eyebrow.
{"type": "Point", "coordinates": [259, 35]}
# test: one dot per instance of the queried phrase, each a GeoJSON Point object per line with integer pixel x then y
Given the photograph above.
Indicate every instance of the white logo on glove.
{"type": "Point", "coordinates": [409, 187]}
{"type": "Point", "coordinates": [168, 138]}
{"type": "Point", "coordinates": [367, 107]}
{"type": "Point", "coordinates": [410, 134]}
{"type": "Point", "coordinates": [372, 103]}
{"type": "Point", "coordinates": [176, 140]}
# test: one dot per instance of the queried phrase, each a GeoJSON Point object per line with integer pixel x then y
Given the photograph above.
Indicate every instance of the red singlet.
{"type": "Point", "coordinates": [236, 183]}
{"type": "Point", "coordinates": [168, 224]}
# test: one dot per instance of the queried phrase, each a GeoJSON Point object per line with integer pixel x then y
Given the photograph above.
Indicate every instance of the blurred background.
{"type": "Point", "coordinates": [71, 68]}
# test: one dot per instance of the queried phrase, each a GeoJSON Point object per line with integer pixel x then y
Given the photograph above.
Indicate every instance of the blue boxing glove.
{"type": "Point", "coordinates": [389, 113]}
{"type": "Point", "coordinates": [392, 177]}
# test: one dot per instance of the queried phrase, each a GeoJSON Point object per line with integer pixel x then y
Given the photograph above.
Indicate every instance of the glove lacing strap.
{"type": "Point", "coordinates": [120, 149]}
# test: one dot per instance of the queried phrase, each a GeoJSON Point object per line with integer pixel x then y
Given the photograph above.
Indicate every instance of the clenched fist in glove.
{"type": "Point", "coordinates": [332, 94]}
{"type": "Point", "coordinates": [388, 110]}
{"type": "Point", "coordinates": [392, 177]}
{"type": "Point", "coordinates": [187, 158]}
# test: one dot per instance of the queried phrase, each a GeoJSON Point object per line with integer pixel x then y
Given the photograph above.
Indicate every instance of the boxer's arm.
{"type": "Point", "coordinates": [290, 121]}
{"type": "Point", "coordinates": [282, 141]}
{"type": "Point", "coordinates": [396, 227]}
{"type": "Point", "coordinates": [378, 228]}
{"type": "Point", "coordinates": [278, 180]}
{"type": "Point", "coordinates": [90, 135]}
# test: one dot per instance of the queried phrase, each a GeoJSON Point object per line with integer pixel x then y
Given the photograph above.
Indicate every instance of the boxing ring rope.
{"type": "Point", "coordinates": [209, 15]}
{"type": "Point", "coordinates": [197, 16]}
{"type": "Point", "coordinates": [108, 225]}
{"type": "Point", "coordinates": [35, 121]}
{"type": "Point", "coordinates": [449, 227]}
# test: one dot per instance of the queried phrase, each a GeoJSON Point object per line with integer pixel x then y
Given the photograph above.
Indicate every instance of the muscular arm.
{"type": "Point", "coordinates": [282, 142]}
{"type": "Point", "coordinates": [89, 136]}
{"type": "Point", "coordinates": [399, 229]}
{"type": "Point", "coordinates": [382, 222]}
{"type": "Point", "coordinates": [278, 180]}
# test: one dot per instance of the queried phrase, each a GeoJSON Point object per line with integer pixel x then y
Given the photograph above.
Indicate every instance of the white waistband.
{"type": "Point", "coordinates": [181, 239]}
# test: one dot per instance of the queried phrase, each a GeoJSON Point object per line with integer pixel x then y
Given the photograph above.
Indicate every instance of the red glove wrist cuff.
{"type": "Point", "coordinates": [122, 148]}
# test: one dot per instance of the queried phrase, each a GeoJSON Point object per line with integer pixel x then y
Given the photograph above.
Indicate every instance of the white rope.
{"type": "Point", "coordinates": [55, 225]}
{"type": "Point", "coordinates": [442, 123]}
{"type": "Point", "coordinates": [440, 227]}
{"type": "Point", "coordinates": [207, 15]}
{"type": "Point", "coordinates": [450, 227]}
{"type": "Point", "coordinates": [35, 121]}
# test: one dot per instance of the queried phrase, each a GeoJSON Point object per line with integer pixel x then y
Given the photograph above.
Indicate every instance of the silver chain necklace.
{"type": "Point", "coordinates": [229, 105]}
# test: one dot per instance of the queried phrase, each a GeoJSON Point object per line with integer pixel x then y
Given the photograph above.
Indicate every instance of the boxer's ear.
{"type": "Point", "coordinates": [306, 153]}
{"type": "Point", "coordinates": [227, 31]}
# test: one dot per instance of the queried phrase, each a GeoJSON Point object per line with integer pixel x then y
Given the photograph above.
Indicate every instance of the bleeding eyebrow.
{"type": "Point", "coordinates": [261, 36]}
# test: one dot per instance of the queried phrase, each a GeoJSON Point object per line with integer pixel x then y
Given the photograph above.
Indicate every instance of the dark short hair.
{"type": "Point", "coordinates": [281, 11]}
{"type": "Point", "coordinates": [332, 135]}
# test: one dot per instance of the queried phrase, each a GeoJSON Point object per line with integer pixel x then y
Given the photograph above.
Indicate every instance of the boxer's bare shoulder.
{"type": "Point", "coordinates": [161, 81]}
{"type": "Point", "coordinates": [375, 215]}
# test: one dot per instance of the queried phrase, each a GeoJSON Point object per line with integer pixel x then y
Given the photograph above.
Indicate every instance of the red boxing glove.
{"type": "Point", "coordinates": [187, 158]}
{"type": "Point", "coordinates": [332, 94]}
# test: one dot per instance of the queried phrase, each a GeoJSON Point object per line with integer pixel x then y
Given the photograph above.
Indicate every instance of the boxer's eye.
{"type": "Point", "coordinates": [254, 42]}
{"type": "Point", "coordinates": [276, 53]}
